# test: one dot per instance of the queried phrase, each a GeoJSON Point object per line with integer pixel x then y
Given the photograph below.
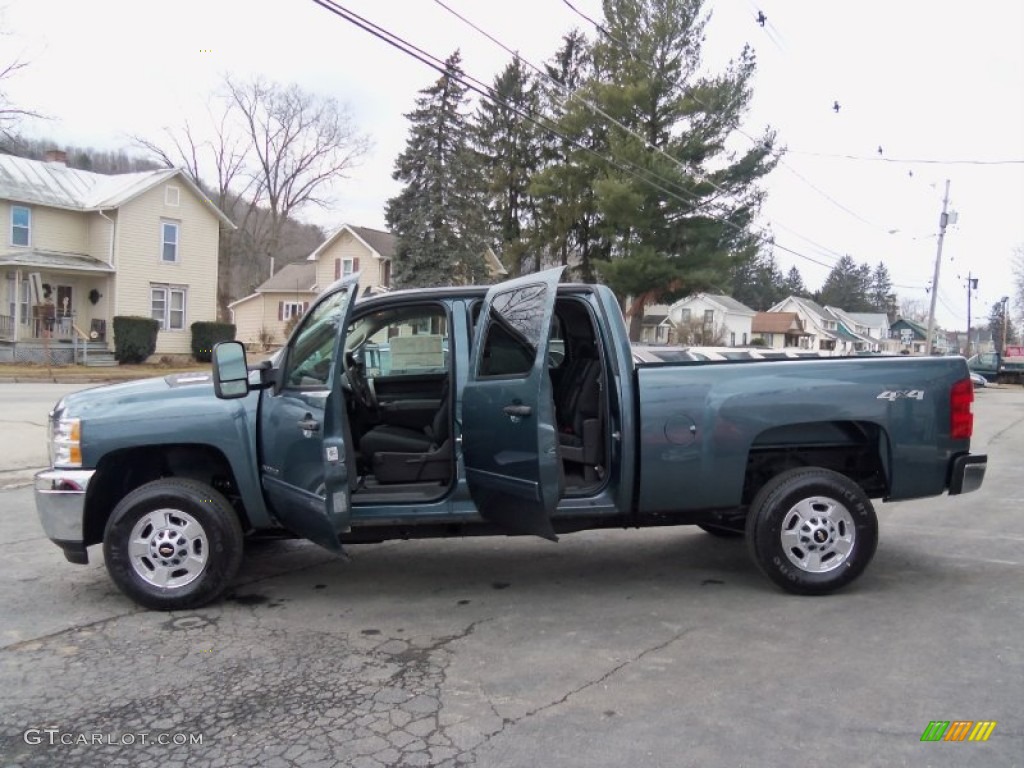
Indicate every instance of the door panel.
{"type": "Point", "coordinates": [305, 450]}
{"type": "Point", "coordinates": [510, 442]}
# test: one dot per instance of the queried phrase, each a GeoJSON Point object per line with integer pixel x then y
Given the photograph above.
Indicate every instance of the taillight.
{"type": "Point", "coordinates": [961, 420]}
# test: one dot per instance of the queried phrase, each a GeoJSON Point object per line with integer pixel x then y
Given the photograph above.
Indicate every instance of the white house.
{"type": "Point", "coordinates": [716, 316]}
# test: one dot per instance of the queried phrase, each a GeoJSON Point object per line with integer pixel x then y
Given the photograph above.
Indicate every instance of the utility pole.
{"type": "Point", "coordinates": [972, 285]}
{"type": "Point", "coordinates": [943, 221]}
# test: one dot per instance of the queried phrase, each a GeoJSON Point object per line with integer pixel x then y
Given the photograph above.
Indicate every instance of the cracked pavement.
{"type": "Point", "coordinates": [662, 647]}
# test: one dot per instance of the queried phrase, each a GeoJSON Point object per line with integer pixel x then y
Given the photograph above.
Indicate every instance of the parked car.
{"type": "Point", "coordinates": [978, 380]}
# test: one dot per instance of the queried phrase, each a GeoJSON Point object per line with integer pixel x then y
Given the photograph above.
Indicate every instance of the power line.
{"type": "Point", "coordinates": [485, 91]}
{"type": "Point", "coordinates": [909, 161]}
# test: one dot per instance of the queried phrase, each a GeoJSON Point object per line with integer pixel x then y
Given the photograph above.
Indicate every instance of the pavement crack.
{"type": "Point", "coordinates": [69, 630]}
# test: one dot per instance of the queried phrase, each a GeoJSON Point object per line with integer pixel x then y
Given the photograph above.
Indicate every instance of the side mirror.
{"type": "Point", "coordinates": [230, 372]}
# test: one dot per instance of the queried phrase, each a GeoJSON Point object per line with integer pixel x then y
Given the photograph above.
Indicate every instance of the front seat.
{"type": "Point", "coordinates": [407, 455]}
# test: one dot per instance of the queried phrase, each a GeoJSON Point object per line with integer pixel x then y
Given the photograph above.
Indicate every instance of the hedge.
{"type": "Point", "coordinates": [205, 335]}
{"type": "Point", "coordinates": [134, 338]}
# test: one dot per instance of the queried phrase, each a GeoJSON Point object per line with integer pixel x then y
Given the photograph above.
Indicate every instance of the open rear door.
{"type": "Point", "coordinates": [510, 439]}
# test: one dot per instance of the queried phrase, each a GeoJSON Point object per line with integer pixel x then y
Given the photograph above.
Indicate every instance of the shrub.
{"type": "Point", "coordinates": [205, 335]}
{"type": "Point", "coordinates": [134, 338]}
{"type": "Point", "coordinates": [758, 342]}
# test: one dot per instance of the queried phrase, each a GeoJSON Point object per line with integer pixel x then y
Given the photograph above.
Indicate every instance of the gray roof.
{"type": "Point", "coordinates": [382, 242]}
{"type": "Point", "coordinates": [730, 303]}
{"type": "Point", "coordinates": [55, 260]}
{"type": "Point", "coordinates": [653, 319]}
{"type": "Point", "coordinates": [292, 277]}
{"type": "Point", "coordinates": [57, 186]}
{"type": "Point", "coordinates": [814, 306]}
{"type": "Point", "coordinates": [871, 319]}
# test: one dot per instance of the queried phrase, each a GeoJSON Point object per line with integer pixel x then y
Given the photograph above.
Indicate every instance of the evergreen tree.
{"type": "Point", "coordinates": [882, 297]}
{"type": "Point", "coordinates": [439, 216]}
{"type": "Point", "coordinates": [794, 283]}
{"type": "Point", "coordinates": [506, 146]}
{"type": "Point", "coordinates": [758, 282]}
{"type": "Point", "coordinates": [848, 286]}
{"type": "Point", "coordinates": [566, 228]}
{"type": "Point", "coordinates": [675, 207]}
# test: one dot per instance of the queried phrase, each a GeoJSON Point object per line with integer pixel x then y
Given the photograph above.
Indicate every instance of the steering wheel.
{"type": "Point", "coordinates": [362, 388]}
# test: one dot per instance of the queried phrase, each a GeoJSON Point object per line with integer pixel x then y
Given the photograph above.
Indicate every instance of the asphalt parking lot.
{"type": "Point", "coordinates": [661, 647]}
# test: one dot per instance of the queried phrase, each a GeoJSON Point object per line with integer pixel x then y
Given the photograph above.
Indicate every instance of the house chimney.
{"type": "Point", "coordinates": [56, 156]}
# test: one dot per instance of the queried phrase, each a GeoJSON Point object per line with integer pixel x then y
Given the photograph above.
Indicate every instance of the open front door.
{"type": "Point", "coordinates": [306, 452]}
{"type": "Point", "coordinates": [510, 440]}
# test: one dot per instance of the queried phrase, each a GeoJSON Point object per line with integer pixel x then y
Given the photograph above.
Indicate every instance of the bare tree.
{"type": "Point", "coordinates": [697, 333]}
{"type": "Point", "coordinates": [268, 151]}
{"type": "Point", "coordinates": [914, 309]}
{"type": "Point", "coordinates": [1017, 260]}
{"type": "Point", "coordinates": [10, 113]}
{"type": "Point", "coordinates": [301, 145]}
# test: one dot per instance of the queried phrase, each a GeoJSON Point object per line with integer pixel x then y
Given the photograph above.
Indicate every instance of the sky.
{"type": "Point", "coordinates": [928, 81]}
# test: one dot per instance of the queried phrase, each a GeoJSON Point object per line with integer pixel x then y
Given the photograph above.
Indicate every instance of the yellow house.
{"type": "Point", "coordinates": [262, 317]}
{"type": "Point", "coordinates": [81, 248]}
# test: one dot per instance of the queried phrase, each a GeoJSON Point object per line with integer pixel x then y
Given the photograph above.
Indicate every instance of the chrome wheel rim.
{"type": "Point", "coordinates": [168, 548]}
{"type": "Point", "coordinates": [818, 534]}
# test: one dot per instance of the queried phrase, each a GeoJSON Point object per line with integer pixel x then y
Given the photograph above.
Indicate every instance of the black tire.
{"type": "Point", "coordinates": [812, 530]}
{"type": "Point", "coordinates": [195, 548]}
{"type": "Point", "coordinates": [721, 531]}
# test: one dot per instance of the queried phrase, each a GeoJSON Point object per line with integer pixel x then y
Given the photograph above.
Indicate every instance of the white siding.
{"type": "Point", "coordinates": [346, 246]}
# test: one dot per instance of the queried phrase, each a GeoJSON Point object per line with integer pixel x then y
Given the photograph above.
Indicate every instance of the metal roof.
{"type": "Point", "coordinates": [57, 186]}
{"type": "Point", "coordinates": [54, 260]}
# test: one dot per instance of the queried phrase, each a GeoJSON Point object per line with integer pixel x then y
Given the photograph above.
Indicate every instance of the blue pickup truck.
{"type": "Point", "coordinates": [514, 409]}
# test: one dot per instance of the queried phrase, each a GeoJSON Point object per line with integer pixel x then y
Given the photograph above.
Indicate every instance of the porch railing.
{"type": "Point", "coordinates": [6, 327]}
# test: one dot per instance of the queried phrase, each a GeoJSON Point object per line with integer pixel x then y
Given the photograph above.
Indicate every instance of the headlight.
{"type": "Point", "coordinates": [66, 442]}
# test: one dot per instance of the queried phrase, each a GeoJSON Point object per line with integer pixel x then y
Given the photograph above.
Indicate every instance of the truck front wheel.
{"type": "Point", "coordinates": [812, 530]}
{"type": "Point", "coordinates": [173, 544]}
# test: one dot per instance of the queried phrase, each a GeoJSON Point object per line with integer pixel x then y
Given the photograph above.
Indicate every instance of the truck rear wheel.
{"type": "Point", "coordinates": [812, 530]}
{"type": "Point", "coordinates": [173, 544]}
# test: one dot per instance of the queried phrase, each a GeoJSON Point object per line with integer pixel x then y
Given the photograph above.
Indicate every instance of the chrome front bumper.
{"type": "Point", "coordinates": [60, 502]}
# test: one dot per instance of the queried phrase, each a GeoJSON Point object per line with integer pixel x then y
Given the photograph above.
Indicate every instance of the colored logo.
{"type": "Point", "coordinates": [958, 730]}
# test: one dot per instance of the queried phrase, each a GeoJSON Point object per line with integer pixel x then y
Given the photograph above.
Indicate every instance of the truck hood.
{"type": "Point", "coordinates": [176, 390]}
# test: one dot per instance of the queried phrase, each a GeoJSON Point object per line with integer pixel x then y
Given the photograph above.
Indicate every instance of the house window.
{"type": "Point", "coordinates": [709, 318]}
{"type": "Point", "coordinates": [684, 315]}
{"type": "Point", "coordinates": [290, 309]}
{"type": "Point", "coordinates": [167, 306]}
{"type": "Point", "coordinates": [170, 231]}
{"type": "Point", "coordinates": [172, 196]}
{"type": "Point", "coordinates": [21, 225]}
{"type": "Point", "coordinates": [732, 339]}
{"type": "Point", "coordinates": [345, 267]}
{"type": "Point", "coordinates": [386, 280]}
{"type": "Point", "coordinates": [744, 339]}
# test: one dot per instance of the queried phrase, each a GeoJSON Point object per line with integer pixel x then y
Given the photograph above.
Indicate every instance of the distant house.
{"type": "Point", "coordinates": [655, 326]}
{"type": "Point", "coordinates": [778, 330]}
{"type": "Point", "coordinates": [875, 325]}
{"type": "Point", "coordinates": [715, 315]}
{"type": "Point", "coordinates": [263, 316]}
{"type": "Point", "coordinates": [821, 328]}
{"type": "Point", "coordinates": [854, 336]}
{"type": "Point", "coordinates": [912, 338]}
{"type": "Point", "coordinates": [81, 248]}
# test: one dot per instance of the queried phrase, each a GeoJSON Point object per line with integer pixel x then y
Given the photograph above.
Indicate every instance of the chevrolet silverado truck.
{"type": "Point", "coordinates": [513, 409]}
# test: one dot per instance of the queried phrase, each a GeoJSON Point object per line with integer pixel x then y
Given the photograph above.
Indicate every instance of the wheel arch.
{"type": "Point", "coordinates": [860, 450]}
{"type": "Point", "coordinates": [120, 472]}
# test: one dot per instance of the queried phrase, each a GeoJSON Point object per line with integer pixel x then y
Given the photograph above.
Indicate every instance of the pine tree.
{"type": "Point", "coordinates": [848, 286]}
{"type": "Point", "coordinates": [758, 282]}
{"type": "Point", "coordinates": [566, 228]}
{"type": "Point", "coordinates": [794, 283]}
{"type": "Point", "coordinates": [506, 145]}
{"type": "Point", "coordinates": [439, 216]}
{"type": "Point", "coordinates": [996, 319]}
{"type": "Point", "coordinates": [675, 206]}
